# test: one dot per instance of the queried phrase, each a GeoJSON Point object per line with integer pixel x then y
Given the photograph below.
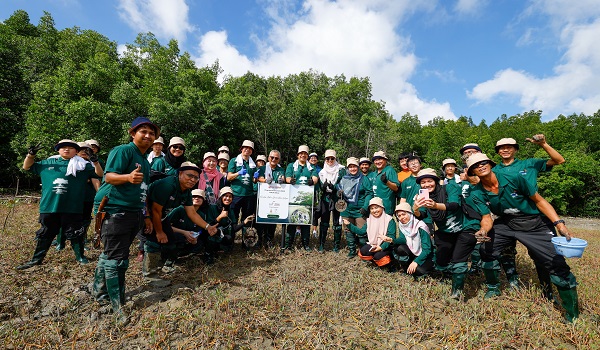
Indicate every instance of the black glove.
{"type": "Point", "coordinates": [293, 181]}
{"type": "Point", "coordinates": [326, 186]}
{"type": "Point", "coordinates": [364, 213]}
{"type": "Point", "coordinates": [384, 178]}
{"type": "Point", "coordinates": [310, 181]}
{"type": "Point", "coordinates": [93, 157]}
{"type": "Point", "coordinates": [281, 179]}
{"type": "Point", "coordinates": [33, 149]}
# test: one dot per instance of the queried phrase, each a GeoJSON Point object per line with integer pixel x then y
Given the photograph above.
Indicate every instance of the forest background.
{"type": "Point", "coordinates": [73, 83]}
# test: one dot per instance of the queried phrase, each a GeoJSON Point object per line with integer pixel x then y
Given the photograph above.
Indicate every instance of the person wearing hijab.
{"type": "Point", "coordinates": [189, 237]}
{"type": "Point", "coordinates": [357, 191]}
{"type": "Point", "coordinates": [211, 179]}
{"type": "Point", "coordinates": [379, 231]}
{"type": "Point", "coordinates": [168, 165]}
{"type": "Point", "coordinates": [221, 214]}
{"type": "Point", "coordinates": [329, 177]}
{"type": "Point", "coordinates": [412, 243]}
{"type": "Point", "coordinates": [516, 201]}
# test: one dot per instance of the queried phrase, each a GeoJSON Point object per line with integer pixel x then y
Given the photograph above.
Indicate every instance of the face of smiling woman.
{"type": "Point", "coordinates": [428, 184]}
{"type": "Point", "coordinates": [376, 210]}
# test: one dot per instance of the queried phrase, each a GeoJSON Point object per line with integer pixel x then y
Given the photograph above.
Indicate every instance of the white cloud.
{"type": "Point", "coordinates": [351, 37]}
{"type": "Point", "coordinates": [165, 19]}
{"type": "Point", "coordinates": [469, 7]}
{"type": "Point", "coordinates": [572, 87]}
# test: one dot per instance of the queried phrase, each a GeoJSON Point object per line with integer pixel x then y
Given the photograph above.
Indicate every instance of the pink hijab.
{"type": "Point", "coordinates": [211, 174]}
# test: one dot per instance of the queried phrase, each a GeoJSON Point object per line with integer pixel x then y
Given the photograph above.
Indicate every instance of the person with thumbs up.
{"type": "Point", "coordinates": [127, 175]}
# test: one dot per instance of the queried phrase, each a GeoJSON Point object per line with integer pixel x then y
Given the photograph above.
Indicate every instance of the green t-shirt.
{"type": "Point", "coordinates": [426, 246]}
{"type": "Point", "coordinates": [528, 168]}
{"type": "Point", "coordinates": [127, 197]}
{"type": "Point", "coordinates": [242, 186]}
{"type": "Point", "coordinates": [160, 165]}
{"type": "Point", "coordinates": [61, 193]}
{"type": "Point", "coordinates": [410, 188]}
{"type": "Point", "coordinates": [302, 173]}
{"type": "Point", "coordinates": [382, 191]}
{"type": "Point", "coordinates": [512, 198]}
{"type": "Point", "coordinates": [275, 173]}
{"type": "Point", "coordinates": [167, 192]}
{"type": "Point", "coordinates": [178, 218]}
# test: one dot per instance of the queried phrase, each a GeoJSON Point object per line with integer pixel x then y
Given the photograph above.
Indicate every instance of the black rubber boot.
{"type": "Point", "coordinates": [305, 236]}
{"type": "Point", "coordinates": [99, 291]}
{"type": "Point", "coordinates": [61, 240]}
{"type": "Point", "coordinates": [41, 249]}
{"type": "Point", "coordinates": [337, 238]}
{"type": "Point", "coordinates": [351, 242]}
{"type": "Point", "coordinates": [322, 237]}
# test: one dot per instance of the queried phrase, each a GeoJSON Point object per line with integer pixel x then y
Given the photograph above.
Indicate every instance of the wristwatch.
{"type": "Point", "coordinates": [561, 221]}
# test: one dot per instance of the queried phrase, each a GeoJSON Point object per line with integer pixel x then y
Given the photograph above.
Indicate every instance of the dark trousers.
{"type": "Point", "coordinates": [406, 257]}
{"type": "Point", "coordinates": [52, 223]}
{"type": "Point", "coordinates": [453, 247]}
{"type": "Point", "coordinates": [326, 211]}
{"type": "Point", "coordinates": [119, 231]}
{"type": "Point", "coordinates": [247, 206]}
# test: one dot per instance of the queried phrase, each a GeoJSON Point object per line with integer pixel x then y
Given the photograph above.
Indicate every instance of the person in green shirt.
{"type": "Point", "coordinates": [364, 164]}
{"type": "Point", "coordinates": [157, 152]}
{"type": "Point", "coordinates": [188, 236]}
{"type": "Point", "coordinates": [221, 216]}
{"type": "Point", "coordinates": [64, 179]}
{"type": "Point", "coordinates": [272, 172]}
{"type": "Point", "coordinates": [384, 181]}
{"type": "Point", "coordinates": [519, 207]}
{"type": "Point", "coordinates": [240, 175]}
{"type": "Point", "coordinates": [168, 165]}
{"type": "Point", "coordinates": [412, 243]}
{"type": "Point", "coordinates": [95, 145]}
{"type": "Point", "coordinates": [409, 187]}
{"type": "Point", "coordinates": [529, 168]}
{"type": "Point", "coordinates": [301, 172]}
{"type": "Point", "coordinates": [329, 178]}
{"type": "Point", "coordinates": [357, 191]}
{"type": "Point", "coordinates": [456, 234]}
{"type": "Point", "coordinates": [163, 196]}
{"type": "Point", "coordinates": [125, 186]}
{"type": "Point", "coordinates": [379, 231]}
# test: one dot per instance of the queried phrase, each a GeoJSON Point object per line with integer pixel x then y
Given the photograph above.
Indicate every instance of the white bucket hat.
{"type": "Point", "coordinates": [303, 148]}
{"type": "Point", "coordinates": [176, 141]}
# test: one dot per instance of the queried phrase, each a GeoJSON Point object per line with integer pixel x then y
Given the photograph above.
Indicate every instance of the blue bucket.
{"type": "Point", "coordinates": [571, 249]}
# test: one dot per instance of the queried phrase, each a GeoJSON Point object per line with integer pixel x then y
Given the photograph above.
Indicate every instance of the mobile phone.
{"type": "Point", "coordinates": [424, 193]}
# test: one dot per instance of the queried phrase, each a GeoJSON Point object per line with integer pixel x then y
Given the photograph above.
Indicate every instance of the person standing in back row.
{"type": "Point", "coordinates": [240, 174]}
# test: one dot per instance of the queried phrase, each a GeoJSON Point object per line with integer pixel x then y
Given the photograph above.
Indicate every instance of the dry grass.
{"type": "Point", "coordinates": [262, 300]}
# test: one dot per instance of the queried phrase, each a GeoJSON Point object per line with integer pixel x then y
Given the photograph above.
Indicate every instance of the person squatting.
{"type": "Point", "coordinates": [418, 221]}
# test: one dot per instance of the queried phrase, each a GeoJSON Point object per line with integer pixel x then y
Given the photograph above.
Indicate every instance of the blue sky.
{"type": "Point", "coordinates": [478, 58]}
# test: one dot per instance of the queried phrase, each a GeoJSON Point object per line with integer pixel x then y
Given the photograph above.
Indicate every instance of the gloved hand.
{"type": "Point", "coordinates": [364, 213]}
{"type": "Point", "coordinates": [293, 181]}
{"type": "Point", "coordinates": [281, 179]}
{"type": "Point", "coordinates": [269, 180]}
{"type": "Point", "coordinates": [256, 175]}
{"type": "Point", "coordinates": [384, 178]}
{"type": "Point", "coordinates": [33, 149]}
{"type": "Point", "coordinates": [326, 187]}
{"type": "Point", "coordinates": [243, 171]}
{"type": "Point", "coordinates": [93, 157]}
{"type": "Point", "coordinates": [310, 181]}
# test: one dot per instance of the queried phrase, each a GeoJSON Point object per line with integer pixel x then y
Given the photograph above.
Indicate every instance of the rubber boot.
{"type": "Point", "coordinates": [322, 237]}
{"type": "Point", "coordinates": [337, 238]}
{"type": "Point", "coordinates": [545, 282]}
{"type": "Point", "coordinates": [475, 259]}
{"type": "Point", "coordinates": [113, 287]}
{"type": "Point", "coordinates": [509, 265]}
{"type": "Point", "coordinates": [41, 249]}
{"type": "Point", "coordinates": [290, 237]}
{"type": "Point", "coordinates": [121, 270]}
{"type": "Point", "coordinates": [458, 284]}
{"type": "Point", "coordinates": [78, 248]}
{"type": "Point", "coordinates": [351, 242]}
{"type": "Point", "coordinates": [570, 302]}
{"type": "Point", "coordinates": [492, 281]}
{"type": "Point", "coordinates": [99, 291]}
{"type": "Point", "coordinates": [61, 240]}
{"type": "Point", "coordinates": [305, 235]}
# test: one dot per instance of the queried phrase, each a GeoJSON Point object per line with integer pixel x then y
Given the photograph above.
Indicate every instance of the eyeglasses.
{"type": "Point", "coordinates": [329, 158]}
{"type": "Point", "coordinates": [178, 147]}
{"type": "Point", "coordinates": [274, 158]}
{"type": "Point", "coordinates": [191, 176]}
{"type": "Point", "coordinates": [483, 163]}
{"type": "Point", "coordinates": [195, 197]}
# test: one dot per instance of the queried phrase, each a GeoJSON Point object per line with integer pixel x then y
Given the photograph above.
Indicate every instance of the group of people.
{"type": "Point", "coordinates": [415, 219]}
